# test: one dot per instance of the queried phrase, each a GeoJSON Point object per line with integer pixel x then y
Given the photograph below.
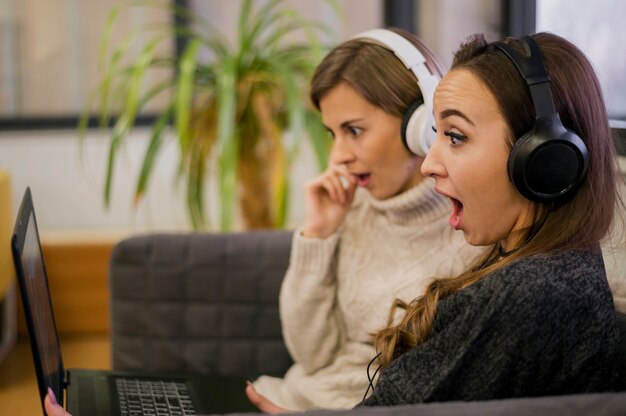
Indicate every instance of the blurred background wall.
{"type": "Point", "coordinates": [48, 66]}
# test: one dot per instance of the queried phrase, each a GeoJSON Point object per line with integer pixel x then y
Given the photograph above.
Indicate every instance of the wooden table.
{"type": "Point", "coordinates": [18, 386]}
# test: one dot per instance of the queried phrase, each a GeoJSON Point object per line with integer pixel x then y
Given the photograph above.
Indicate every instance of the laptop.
{"type": "Point", "coordinates": [104, 392]}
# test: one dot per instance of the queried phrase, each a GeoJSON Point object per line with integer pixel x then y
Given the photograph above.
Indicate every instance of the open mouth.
{"type": "Point", "coordinates": [362, 179]}
{"type": "Point", "coordinates": [457, 212]}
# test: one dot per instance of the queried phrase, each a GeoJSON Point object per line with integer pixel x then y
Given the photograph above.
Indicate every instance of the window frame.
{"type": "Point", "coordinates": [71, 121]}
{"type": "Point", "coordinates": [519, 18]}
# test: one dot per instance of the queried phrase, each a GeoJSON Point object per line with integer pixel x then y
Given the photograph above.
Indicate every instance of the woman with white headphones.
{"type": "Point", "coordinates": [375, 229]}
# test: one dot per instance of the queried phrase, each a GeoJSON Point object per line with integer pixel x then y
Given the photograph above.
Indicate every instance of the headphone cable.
{"type": "Point", "coordinates": [371, 379]}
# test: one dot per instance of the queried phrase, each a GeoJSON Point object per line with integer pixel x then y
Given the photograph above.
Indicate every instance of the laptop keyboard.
{"type": "Point", "coordinates": [153, 397]}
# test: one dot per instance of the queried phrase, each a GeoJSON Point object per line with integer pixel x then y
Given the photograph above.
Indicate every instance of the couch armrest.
{"type": "Point", "coordinates": [199, 302]}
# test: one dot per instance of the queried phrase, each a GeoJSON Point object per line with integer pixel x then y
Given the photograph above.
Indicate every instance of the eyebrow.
{"type": "Point", "coordinates": [349, 122]}
{"type": "Point", "coordinates": [452, 112]}
{"type": "Point", "coordinates": [345, 124]}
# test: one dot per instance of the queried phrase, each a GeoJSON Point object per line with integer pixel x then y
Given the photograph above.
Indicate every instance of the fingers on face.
{"type": "Point", "coordinates": [332, 185]}
{"type": "Point", "coordinates": [337, 183]}
{"type": "Point", "coordinates": [342, 183]}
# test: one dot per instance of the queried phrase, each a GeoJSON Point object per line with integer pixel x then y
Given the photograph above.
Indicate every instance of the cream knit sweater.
{"type": "Point", "coordinates": [338, 291]}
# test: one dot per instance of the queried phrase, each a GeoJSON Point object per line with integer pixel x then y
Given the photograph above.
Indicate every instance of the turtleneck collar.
{"type": "Point", "coordinates": [419, 204]}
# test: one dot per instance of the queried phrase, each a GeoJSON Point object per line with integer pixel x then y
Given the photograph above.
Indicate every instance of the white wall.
{"type": "Point", "coordinates": [67, 182]}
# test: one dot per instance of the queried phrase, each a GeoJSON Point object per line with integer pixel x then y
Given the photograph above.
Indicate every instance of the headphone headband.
{"type": "Point", "coordinates": [414, 61]}
{"type": "Point", "coordinates": [532, 69]}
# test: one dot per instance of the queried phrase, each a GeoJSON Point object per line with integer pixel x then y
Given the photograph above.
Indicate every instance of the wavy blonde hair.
{"type": "Point", "coordinates": [578, 99]}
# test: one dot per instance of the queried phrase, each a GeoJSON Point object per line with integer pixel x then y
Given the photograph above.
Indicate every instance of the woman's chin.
{"type": "Point", "coordinates": [473, 239]}
{"type": "Point", "coordinates": [478, 241]}
{"type": "Point", "coordinates": [380, 194]}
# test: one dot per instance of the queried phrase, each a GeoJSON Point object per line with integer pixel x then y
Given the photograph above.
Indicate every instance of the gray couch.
{"type": "Point", "coordinates": [208, 303]}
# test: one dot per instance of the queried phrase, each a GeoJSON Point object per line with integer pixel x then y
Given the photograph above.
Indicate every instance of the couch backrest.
{"type": "Point", "coordinates": [208, 302]}
{"type": "Point", "coordinates": [201, 302]}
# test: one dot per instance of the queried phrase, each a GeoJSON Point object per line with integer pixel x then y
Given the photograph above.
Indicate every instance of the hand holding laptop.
{"type": "Point", "coordinates": [52, 407]}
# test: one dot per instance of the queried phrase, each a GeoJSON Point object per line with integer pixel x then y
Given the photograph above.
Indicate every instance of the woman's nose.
{"type": "Point", "coordinates": [341, 151]}
{"type": "Point", "coordinates": [433, 163]}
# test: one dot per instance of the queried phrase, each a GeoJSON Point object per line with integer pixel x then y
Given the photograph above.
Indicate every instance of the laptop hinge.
{"type": "Point", "coordinates": [66, 379]}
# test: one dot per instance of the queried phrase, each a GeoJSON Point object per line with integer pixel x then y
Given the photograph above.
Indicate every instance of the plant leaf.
{"type": "Point", "coordinates": [263, 19]}
{"type": "Point", "coordinates": [228, 162]}
{"type": "Point", "coordinates": [184, 93]}
{"type": "Point", "coordinates": [111, 72]}
{"type": "Point", "coordinates": [127, 119]}
{"type": "Point", "coordinates": [152, 151]}
{"type": "Point", "coordinates": [319, 138]}
{"type": "Point", "coordinates": [242, 27]}
{"type": "Point", "coordinates": [227, 140]}
{"type": "Point", "coordinates": [195, 190]}
{"type": "Point", "coordinates": [277, 160]}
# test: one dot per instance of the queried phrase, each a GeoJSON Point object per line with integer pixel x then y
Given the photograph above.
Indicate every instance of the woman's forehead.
{"type": "Point", "coordinates": [462, 94]}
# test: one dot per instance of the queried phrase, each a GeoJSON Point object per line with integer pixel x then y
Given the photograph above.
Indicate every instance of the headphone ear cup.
{"type": "Point", "coordinates": [548, 163]}
{"type": "Point", "coordinates": [416, 132]}
{"type": "Point", "coordinates": [516, 163]}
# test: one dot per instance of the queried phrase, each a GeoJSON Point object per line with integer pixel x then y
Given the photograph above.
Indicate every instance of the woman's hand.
{"type": "Point", "coordinates": [327, 200]}
{"type": "Point", "coordinates": [52, 407]}
{"type": "Point", "coordinates": [262, 402]}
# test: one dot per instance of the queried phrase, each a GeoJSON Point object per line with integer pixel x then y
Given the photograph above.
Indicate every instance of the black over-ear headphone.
{"type": "Point", "coordinates": [417, 123]}
{"type": "Point", "coordinates": [549, 162]}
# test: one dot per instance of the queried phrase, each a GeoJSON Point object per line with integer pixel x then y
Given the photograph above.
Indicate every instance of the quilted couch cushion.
{"type": "Point", "coordinates": [199, 302]}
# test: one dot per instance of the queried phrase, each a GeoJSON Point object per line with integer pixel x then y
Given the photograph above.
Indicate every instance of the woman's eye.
{"type": "Point", "coordinates": [355, 131]}
{"type": "Point", "coordinates": [455, 138]}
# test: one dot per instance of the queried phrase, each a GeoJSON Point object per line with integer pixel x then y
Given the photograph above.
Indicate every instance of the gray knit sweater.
{"type": "Point", "coordinates": [542, 326]}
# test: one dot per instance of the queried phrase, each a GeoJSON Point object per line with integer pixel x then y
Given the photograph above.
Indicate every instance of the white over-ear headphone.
{"type": "Point", "coordinates": [417, 133]}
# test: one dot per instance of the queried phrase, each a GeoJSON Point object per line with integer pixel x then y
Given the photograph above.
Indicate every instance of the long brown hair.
{"type": "Point", "coordinates": [578, 223]}
{"type": "Point", "coordinates": [374, 71]}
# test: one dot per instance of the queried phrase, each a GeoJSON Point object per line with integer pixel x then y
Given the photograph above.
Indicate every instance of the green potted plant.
{"type": "Point", "coordinates": [244, 107]}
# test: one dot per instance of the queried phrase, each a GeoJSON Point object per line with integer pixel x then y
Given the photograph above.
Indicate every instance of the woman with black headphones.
{"type": "Point", "coordinates": [530, 167]}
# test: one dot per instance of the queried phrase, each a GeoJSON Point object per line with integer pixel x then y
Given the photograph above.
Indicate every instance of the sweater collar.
{"type": "Point", "coordinates": [419, 204]}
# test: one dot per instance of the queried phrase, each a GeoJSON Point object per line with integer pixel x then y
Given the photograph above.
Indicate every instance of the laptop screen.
{"type": "Point", "coordinates": [36, 300]}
